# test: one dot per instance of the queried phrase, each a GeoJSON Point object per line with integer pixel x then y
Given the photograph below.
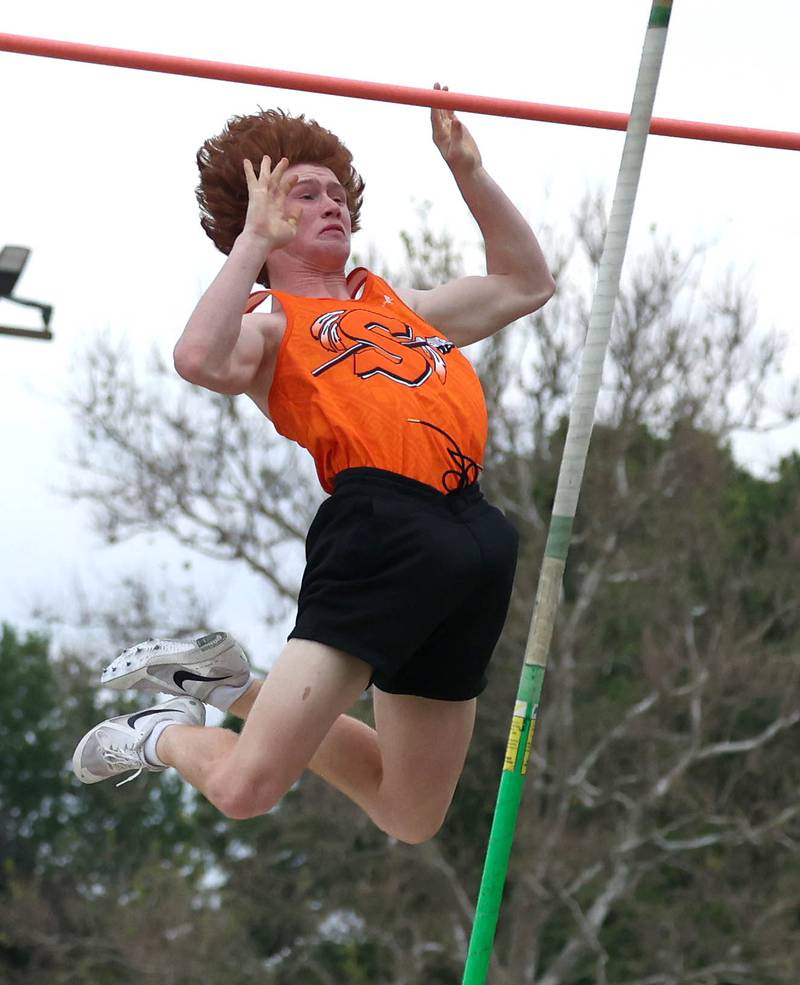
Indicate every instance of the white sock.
{"type": "Point", "coordinates": [223, 696]}
{"type": "Point", "coordinates": [151, 743]}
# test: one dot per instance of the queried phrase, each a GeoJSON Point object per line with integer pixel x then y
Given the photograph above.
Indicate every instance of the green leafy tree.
{"type": "Point", "coordinates": [71, 856]}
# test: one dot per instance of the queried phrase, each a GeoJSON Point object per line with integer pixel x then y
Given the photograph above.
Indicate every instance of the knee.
{"type": "Point", "coordinates": [240, 800]}
{"type": "Point", "coordinates": [412, 829]}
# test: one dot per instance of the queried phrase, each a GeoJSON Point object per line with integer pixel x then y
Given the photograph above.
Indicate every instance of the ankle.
{"type": "Point", "coordinates": [243, 704]}
{"type": "Point", "coordinates": [154, 748]}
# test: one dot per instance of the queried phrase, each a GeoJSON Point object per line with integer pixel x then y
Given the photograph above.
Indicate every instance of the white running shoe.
{"type": "Point", "coordinates": [117, 744]}
{"type": "Point", "coordinates": [195, 667]}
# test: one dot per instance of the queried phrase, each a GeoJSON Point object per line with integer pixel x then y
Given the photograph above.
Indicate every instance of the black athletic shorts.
{"type": "Point", "coordinates": [412, 581]}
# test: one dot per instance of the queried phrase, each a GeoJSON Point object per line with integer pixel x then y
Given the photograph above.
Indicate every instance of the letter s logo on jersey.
{"type": "Point", "coordinates": [387, 348]}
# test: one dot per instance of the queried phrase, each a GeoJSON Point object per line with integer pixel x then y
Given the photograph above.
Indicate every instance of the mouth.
{"type": "Point", "coordinates": [333, 228]}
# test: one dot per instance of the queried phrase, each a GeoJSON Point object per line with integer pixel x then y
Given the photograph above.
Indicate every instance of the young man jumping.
{"type": "Point", "coordinates": [409, 570]}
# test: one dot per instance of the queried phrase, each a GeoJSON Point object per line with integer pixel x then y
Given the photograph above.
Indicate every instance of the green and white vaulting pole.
{"type": "Point", "coordinates": [566, 500]}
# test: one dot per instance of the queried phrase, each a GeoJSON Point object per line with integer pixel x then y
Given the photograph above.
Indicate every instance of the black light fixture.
{"type": "Point", "coordinates": [12, 262]}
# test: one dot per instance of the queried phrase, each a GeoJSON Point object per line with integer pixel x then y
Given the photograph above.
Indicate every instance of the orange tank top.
{"type": "Point", "coordinates": [367, 382]}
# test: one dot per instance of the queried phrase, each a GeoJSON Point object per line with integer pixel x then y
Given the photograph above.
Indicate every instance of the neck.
{"type": "Point", "coordinates": [307, 281]}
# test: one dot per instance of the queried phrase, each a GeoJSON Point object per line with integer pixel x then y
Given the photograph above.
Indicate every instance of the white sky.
{"type": "Point", "coordinates": [98, 175]}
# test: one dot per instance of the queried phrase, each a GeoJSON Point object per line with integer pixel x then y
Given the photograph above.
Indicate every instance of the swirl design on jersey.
{"type": "Point", "coordinates": [466, 470]}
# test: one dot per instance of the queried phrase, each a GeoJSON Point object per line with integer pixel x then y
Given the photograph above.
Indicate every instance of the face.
{"type": "Point", "coordinates": [323, 232]}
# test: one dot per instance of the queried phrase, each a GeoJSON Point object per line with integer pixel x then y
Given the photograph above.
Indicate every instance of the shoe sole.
{"type": "Point", "coordinates": [122, 680]}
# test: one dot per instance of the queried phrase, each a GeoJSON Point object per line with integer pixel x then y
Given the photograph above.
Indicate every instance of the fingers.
{"type": "Point", "coordinates": [268, 211]}
{"type": "Point", "coordinates": [441, 118]}
{"type": "Point", "coordinates": [254, 180]}
{"type": "Point", "coordinates": [249, 175]}
{"type": "Point", "coordinates": [279, 171]}
{"type": "Point", "coordinates": [442, 88]}
{"type": "Point", "coordinates": [267, 176]}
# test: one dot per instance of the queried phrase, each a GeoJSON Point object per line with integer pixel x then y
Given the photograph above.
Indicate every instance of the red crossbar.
{"type": "Point", "coordinates": [253, 75]}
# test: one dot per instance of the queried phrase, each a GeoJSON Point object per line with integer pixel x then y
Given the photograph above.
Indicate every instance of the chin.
{"type": "Point", "coordinates": [332, 261]}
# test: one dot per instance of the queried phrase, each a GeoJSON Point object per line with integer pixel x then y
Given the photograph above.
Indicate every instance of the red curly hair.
{"type": "Point", "coordinates": [222, 192]}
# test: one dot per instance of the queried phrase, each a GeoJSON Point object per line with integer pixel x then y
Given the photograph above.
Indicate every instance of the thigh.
{"type": "Point", "coordinates": [424, 744]}
{"type": "Point", "coordinates": [307, 688]}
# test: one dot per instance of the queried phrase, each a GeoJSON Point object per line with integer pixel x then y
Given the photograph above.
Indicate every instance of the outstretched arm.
{"type": "Point", "coordinates": [517, 280]}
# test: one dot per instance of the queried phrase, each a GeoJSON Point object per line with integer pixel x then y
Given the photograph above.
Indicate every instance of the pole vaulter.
{"type": "Point", "coordinates": [637, 125]}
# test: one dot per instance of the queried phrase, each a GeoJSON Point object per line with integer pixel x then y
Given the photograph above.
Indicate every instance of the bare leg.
{"type": "Point", "coordinates": [242, 707]}
{"type": "Point", "coordinates": [349, 757]}
{"type": "Point", "coordinates": [309, 686]}
{"type": "Point", "coordinates": [403, 775]}
{"type": "Point", "coordinates": [196, 753]}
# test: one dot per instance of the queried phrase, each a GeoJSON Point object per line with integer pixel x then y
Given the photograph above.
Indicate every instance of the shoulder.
{"type": "Point", "coordinates": [472, 308]}
{"type": "Point", "coordinates": [410, 296]}
{"type": "Point", "coordinates": [422, 303]}
{"type": "Point", "coordinates": [258, 319]}
{"type": "Point", "coordinates": [267, 323]}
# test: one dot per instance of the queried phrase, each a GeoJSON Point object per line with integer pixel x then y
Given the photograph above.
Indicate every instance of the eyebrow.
{"type": "Point", "coordinates": [318, 181]}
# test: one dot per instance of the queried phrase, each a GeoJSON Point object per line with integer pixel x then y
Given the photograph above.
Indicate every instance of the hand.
{"type": "Point", "coordinates": [454, 141]}
{"type": "Point", "coordinates": [267, 214]}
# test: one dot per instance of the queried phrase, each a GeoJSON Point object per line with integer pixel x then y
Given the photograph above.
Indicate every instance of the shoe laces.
{"type": "Point", "coordinates": [122, 757]}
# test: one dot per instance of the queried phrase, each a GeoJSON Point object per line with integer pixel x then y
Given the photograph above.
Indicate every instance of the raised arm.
{"type": "Point", "coordinates": [220, 348]}
{"type": "Point", "coordinates": [517, 280]}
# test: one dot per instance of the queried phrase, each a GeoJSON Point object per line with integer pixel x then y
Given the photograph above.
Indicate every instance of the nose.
{"type": "Point", "coordinates": [331, 207]}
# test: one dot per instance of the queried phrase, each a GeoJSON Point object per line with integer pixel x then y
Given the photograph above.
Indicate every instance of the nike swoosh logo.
{"type": "Point", "coordinates": [143, 714]}
{"type": "Point", "coordinates": [184, 675]}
